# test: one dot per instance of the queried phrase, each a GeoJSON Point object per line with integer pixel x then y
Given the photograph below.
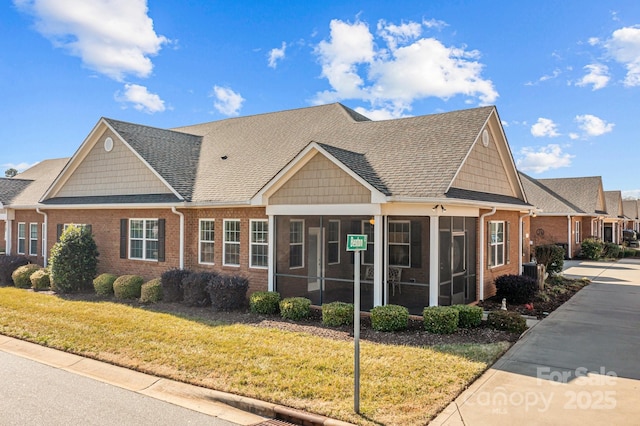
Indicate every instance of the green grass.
{"type": "Point", "coordinates": [399, 384]}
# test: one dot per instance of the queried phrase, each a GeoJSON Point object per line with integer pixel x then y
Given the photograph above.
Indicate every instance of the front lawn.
{"type": "Point", "coordinates": [400, 385]}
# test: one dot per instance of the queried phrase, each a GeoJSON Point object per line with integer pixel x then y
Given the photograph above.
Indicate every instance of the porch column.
{"type": "Point", "coordinates": [378, 244]}
{"type": "Point", "coordinates": [271, 285]}
{"type": "Point", "coordinates": [7, 230]}
{"type": "Point", "coordinates": [434, 261]}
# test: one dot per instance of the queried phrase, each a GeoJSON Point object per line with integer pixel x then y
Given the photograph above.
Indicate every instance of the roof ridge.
{"type": "Point", "coordinates": [551, 192]}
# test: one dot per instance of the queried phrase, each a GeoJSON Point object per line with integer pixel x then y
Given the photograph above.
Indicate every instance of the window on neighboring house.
{"type": "Point", "coordinates": [577, 232]}
{"type": "Point", "coordinates": [207, 240]}
{"type": "Point", "coordinates": [231, 247]}
{"type": "Point", "coordinates": [400, 243]}
{"type": "Point", "coordinates": [143, 239]}
{"type": "Point", "coordinates": [496, 243]}
{"type": "Point", "coordinates": [33, 239]}
{"type": "Point", "coordinates": [296, 243]}
{"type": "Point", "coordinates": [259, 257]}
{"type": "Point", "coordinates": [367, 229]}
{"type": "Point", "coordinates": [22, 234]}
{"type": "Point", "coordinates": [333, 241]}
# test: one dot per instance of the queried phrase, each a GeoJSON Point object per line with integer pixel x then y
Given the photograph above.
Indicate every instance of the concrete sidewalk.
{"type": "Point", "coordinates": [579, 366]}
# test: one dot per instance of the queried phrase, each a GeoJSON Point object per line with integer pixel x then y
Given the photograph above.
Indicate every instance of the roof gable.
{"type": "Point", "coordinates": [586, 193]}
{"type": "Point", "coordinates": [613, 201]}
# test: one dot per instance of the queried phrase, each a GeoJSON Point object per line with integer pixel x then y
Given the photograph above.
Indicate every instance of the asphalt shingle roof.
{"type": "Point", "coordinates": [41, 176]}
{"type": "Point", "coordinates": [546, 199]}
{"type": "Point", "coordinates": [613, 201]}
{"type": "Point", "coordinates": [11, 187]}
{"type": "Point", "coordinates": [630, 208]}
{"type": "Point", "coordinates": [580, 193]}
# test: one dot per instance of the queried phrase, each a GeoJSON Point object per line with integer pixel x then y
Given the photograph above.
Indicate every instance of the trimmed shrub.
{"type": "Point", "coordinates": [295, 308]}
{"type": "Point", "coordinates": [629, 252]}
{"type": "Point", "coordinates": [103, 284]}
{"type": "Point", "coordinates": [551, 256]}
{"type": "Point", "coordinates": [171, 282]}
{"type": "Point", "coordinates": [40, 280]}
{"type": "Point", "coordinates": [517, 289]}
{"type": "Point", "coordinates": [389, 318]}
{"type": "Point", "coordinates": [8, 264]}
{"type": "Point", "coordinates": [128, 287]}
{"type": "Point", "coordinates": [592, 248]}
{"type": "Point", "coordinates": [151, 291]}
{"type": "Point", "coordinates": [335, 314]}
{"type": "Point", "coordinates": [74, 260]}
{"type": "Point", "coordinates": [22, 275]}
{"type": "Point", "coordinates": [228, 292]}
{"type": "Point", "coordinates": [264, 302]}
{"type": "Point", "coordinates": [194, 288]}
{"type": "Point", "coordinates": [440, 319]}
{"type": "Point", "coordinates": [509, 321]}
{"type": "Point", "coordinates": [611, 250]}
{"type": "Point", "coordinates": [468, 316]}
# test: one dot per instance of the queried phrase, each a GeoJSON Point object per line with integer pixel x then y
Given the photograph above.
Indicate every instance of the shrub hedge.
{"type": "Point", "coordinates": [264, 302]}
{"type": "Point", "coordinates": [22, 275]}
{"type": "Point", "coordinates": [611, 250]}
{"type": "Point", "coordinates": [151, 291]}
{"type": "Point", "coordinates": [74, 260]}
{"type": "Point", "coordinates": [551, 256]}
{"type": "Point", "coordinates": [103, 284]}
{"type": "Point", "coordinates": [194, 288]}
{"type": "Point", "coordinates": [509, 321]}
{"type": "Point", "coordinates": [516, 289]}
{"type": "Point", "coordinates": [8, 264]}
{"type": "Point", "coordinates": [40, 280]}
{"type": "Point", "coordinates": [128, 287]}
{"type": "Point", "coordinates": [468, 316]}
{"type": "Point", "coordinates": [335, 314]}
{"type": "Point", "coordinates": [171, 282]}
{"type": "Point", "coordinates": [440, 319]}
{"type": "Point", "coordinates": [591, 248]}
{"type": "Point", "coordinates": [228, 292]}
{"type": "Point", "coordinates": [295, 308]}
{"type": "Point", "coordinates": [389, 318]}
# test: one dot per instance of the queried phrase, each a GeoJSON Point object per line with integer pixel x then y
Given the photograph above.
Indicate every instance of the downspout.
{"type": "Point", "coordinates": [175, 211]}
{"type": "Point", "coordinates": [483, 262]}
{"type": "Point", "coordinates": [520, 245]}
{"type": "Point", "coordinates": [569, 251]}
{"type": "Point", "coordinates": [44, 236]}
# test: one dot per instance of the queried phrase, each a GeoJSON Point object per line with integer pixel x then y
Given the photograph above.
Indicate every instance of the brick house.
{"type": "Point", "coordinates": [631, 216]}
{"type": "Point", "coordinates": [273, 196]}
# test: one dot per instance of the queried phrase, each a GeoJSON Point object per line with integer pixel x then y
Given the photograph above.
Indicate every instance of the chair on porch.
{"type": "Point", "coordinates": [393, 278]}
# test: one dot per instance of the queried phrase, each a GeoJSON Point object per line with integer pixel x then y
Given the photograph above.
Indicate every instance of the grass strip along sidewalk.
{"type": "Point", "coordinates": [399, 384]}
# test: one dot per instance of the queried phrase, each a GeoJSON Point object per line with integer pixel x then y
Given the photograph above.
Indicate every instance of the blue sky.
{"type": "Point", "coordinates": [565, 76]}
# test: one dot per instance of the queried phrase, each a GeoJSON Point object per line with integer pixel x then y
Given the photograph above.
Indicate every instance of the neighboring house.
{"type": "Point", "coordinates": [572, 209]}
{"type": "Point", "coordinates": [614, 220]}
{"type": "Point", "coordinates": [9, 189]}
{"type": "Point", "coordinates": [631, 218]}
{"type": "Point", "coordinates": [273, 197]}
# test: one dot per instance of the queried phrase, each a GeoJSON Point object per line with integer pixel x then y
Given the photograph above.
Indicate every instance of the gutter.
{"type": "Point", "coordinates": [569, 250]}
{"type": "Point", "coordinates": [173, 209]}
{"type": "Point", "coordinates": [483, 263]}
{"type": "Point", "coordinates": [44, 236]}
{"type": "Point", "coordinates": [520, 246]}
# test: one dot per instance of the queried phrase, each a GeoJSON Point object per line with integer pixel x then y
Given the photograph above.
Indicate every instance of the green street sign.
{"type": "Point", "coordinates": [356, 242]}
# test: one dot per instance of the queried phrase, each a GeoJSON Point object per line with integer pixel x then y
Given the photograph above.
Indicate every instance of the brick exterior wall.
{"type": "Point", "coordinates": [553, 230]}
{"type": "Point", "coordinates": [27, 217]}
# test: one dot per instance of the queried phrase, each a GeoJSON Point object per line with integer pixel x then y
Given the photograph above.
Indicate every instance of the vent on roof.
{"type": "Point", "coordinates": [485, 138]}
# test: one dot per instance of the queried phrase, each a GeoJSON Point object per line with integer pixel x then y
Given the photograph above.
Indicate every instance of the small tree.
{"type": "Point", "coordinates": [552, 257]}
{"type": "Point", "coordinates": [10, 172]}
{"type": "Point", "coordinates": [74, 261]}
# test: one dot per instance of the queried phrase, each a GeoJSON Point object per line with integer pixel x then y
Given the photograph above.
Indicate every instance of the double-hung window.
{"type": "Point", "coordinates": [333, 242]}
{"type": "Point", "coordinates": [207, 240]}
{"type": "Point", "coordinates": [22, 235]}
{"type": "Point", "coordinates": [143, 239]}
{"type": "Point", "coordinates": [400, 243]}
{"type": "Point", "coordinates": [296, 243]}
{"type": "Point", "coordinates": [231, 246]}
{"type": "Point", "coordinates": [496, 243]}
{"type": "Point", "coordinates": [33, 239]}
{"type": "Point", "coordinates": [259, 256]}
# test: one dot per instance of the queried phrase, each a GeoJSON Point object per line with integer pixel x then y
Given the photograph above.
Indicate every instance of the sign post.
{"type": "Point", "coordinates": [356, 243]}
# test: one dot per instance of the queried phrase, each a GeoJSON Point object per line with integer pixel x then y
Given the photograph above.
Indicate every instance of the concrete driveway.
{"type": "Point", "coordinates": [579, 366]}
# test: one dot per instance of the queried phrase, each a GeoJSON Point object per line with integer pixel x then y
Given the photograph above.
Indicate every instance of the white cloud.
{"type": "Point", "coordinates": [598, 76]}
{"type": "Point", "coordinates": [545, 77]}
{"type": "Point", "coordinates": [407, 69]}
{"type": "Point", "coordinates": [573, 136]}
{"type": "Point", "coordinates": [112, 37]}
{"type": "Point", "coordinates": [631, 194]}
{"type": "Point", "coordinates": [546, 158]}
{"type": "Point", "coordinates": [434, 23]}
{"type": "Point", "coordinates": [379, 114]}
{"type": "Point", "coordinates": [593, 41]}
{"type": "Point", "coordinates": [624, 47]}
{"type": "Point", "coordinates": [141, 99]}
{"type": "Point", "coordinates": [592, 125]}
{"type": "Point", "coordinates": [227, 101]}
{"type": "Point", "coordinates": [276, 54]}
{"type": "Point", "coordinates": [545, 127]}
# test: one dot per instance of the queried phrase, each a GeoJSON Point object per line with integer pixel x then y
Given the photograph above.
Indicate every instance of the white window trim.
{"type": "Point", "coordinates": [577, 232]}
{"type": "Point", "coordinates": [31, 240]}
{"type": "Point", "coordinates": [24, 236]}
{"type": "Point", "coordinates": [200, 240]}
{"type": "Point", "coordinates": [494, 246]}
{"type": "Point", "coordinates": [297, 244]}
{"type": "Point", "coordinates": [225, 242]}
{"type": "Point", "coordinates": [143, 239]}
{"type": "Point", "coordinates": [401, 244]}
{"type": "Point", "coordinates": [334, 242]}
{"type": "Point", "coordinates": [252, 243]}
